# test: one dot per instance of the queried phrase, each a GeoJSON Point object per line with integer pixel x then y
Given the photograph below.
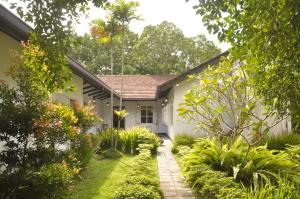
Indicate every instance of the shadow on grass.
{"type": "Point", "coordinates": [100, 179]}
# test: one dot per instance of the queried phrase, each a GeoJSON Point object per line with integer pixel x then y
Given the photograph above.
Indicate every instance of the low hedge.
{"type": "Point", "coordinates": [139, 183]}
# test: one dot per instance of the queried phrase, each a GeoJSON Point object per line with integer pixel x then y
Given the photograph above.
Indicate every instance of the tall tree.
{"type": "Point", "coordinates": [106, 31]}
{"type": "Point", "coordinates": [266, 35]}
{"type": "Point", "coordinates": [95, 55]}
{"type": "Point", "coordinates": [163, 49]}
{"type": "Point", "coordinates": [124, 13]}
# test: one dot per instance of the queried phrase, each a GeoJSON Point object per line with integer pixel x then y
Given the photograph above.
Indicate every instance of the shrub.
{"type": "Point", "coordinates": [83, 148]}
{"type": "Point", "coordinates": [183, 151]}
{"type": "Point", "coordinates": [209, 184]}
{"type": "Point", "coordinates": [86, 117]}
{"type": "Point", "coordinates": [251, 166]}
{"type": "Point", "coordinates": [130, 139]}
{"type": "Point", "coordinates": [137, 191]}
{"type": "Point", "coordinates": [110, 154]}
{"type": "Point", "coordinates": [280, 142]}
{"type": "Point", "coordinates": [174, 149]}
{"type": "Point", "coordinates": [139, 183]}
{"type": "Point", "coordinates": [46, 182]}
{"type": "Point", "coordinates": [184, 140]}
{"type": "Point", "coordinates": [109, 139]}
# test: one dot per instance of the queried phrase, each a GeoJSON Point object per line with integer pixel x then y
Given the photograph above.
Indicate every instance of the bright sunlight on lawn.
{"type": "Point", "coordinates": [102, 178]}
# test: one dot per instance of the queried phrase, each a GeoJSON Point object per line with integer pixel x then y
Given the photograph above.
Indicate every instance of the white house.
{"type": "Point", "coordinates": [150, 100]}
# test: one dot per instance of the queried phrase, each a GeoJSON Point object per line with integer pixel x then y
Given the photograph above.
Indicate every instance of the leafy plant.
{"type": "Point", "coordinates": [108, 139]}
{"type": "Point", "coordinates": [132, 138]}
{"type": "Point", "coordinates": [281, 142]}
{"type": "Point", "coordinates": [139, 182]}
{"type": "Point", "coordinates": [210, 184]}
{"type": "Point", "coordinates": [185, 140]}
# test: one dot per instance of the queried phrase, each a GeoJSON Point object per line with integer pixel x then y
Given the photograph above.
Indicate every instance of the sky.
{"type": "Point", "coordinates": [154, 12]}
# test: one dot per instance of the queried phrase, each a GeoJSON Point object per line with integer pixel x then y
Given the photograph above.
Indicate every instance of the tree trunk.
{"type": "Point", "coordinates": [122, 73]}
{"type": "Point", "coordinates": [111, 86]}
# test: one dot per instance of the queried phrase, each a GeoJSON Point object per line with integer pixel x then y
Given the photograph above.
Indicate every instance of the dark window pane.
{"type": "Point", "coordinates": [150, 119]}
{"type": "Point", "coordinates": [143, 120]}
{"type": "Point", "coordinates": [150, 113]}
{"type": "Point", "coordinates": [143, 113]}
{"type": "Point", "coordinates": [143, 107]}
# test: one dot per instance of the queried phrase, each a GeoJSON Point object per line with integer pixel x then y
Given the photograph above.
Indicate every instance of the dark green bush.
{"type": "Point", "coordinates": [174, 149]}
{"type": "Point", "coordinates": [184, 140]}
{"type": "Point", "coordinates": [130, 139]}
{"type": "Point", "coordinates": [137, 191]}
{"type": "Point", "coordinates": [47, 182]}
{"type": "Point", "coordinates": [139, 183]}
{"type": "Point", "coordinates": [209, 184]}
{"type": "Point", "coordinates": [83, 148]}
{"type": "Point", "coordinates": [109, 139]}
{"type": "Point", "coordinates": [257, 164]}
{"type": "Point", "coordinates": [280, 142]}
{"type": "Point", "coordinates": [110, 154]}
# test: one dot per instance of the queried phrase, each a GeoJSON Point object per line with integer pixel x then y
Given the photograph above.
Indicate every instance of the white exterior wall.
{"type": "Point", "coordinates": [7, 45]}
{"type": "Point", "coordinates": [134, 115]}
{"type": "Point", "coordinates": [77, 95]}
{"type": "Point", "coordinates": [177, 125]}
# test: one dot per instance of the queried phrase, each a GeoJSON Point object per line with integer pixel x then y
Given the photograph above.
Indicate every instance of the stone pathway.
{"type": "Point", "coordinates": [171, 179]}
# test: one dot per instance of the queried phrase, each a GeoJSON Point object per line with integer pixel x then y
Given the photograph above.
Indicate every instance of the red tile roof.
{"type": "Point", "coordinates": [136, 87]}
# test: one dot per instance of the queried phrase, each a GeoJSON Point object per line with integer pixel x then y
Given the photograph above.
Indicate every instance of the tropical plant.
{"type": "Point", "coordinates": [280, 142]}
{"type": "Point", "coordinates": [209, 184]}
{"type": "Point", "coordinates": [108, 139]}
{"type": "Point", "coordinates": [106, 31]}
{"type": "Point", "coordinates": [124, 13]}
{"type": "Point", "coordinates": [267, 42]}
{"type": "Point", "coordinates": [86, 117]}
{"type": "Point", "coordinates": [247, 165]}
{"type": "Point", "coordinates": [184, 140]}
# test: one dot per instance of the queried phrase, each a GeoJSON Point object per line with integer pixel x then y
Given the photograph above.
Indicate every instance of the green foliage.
{"type": "Point", "coordinates": [132, 138]}
{"type": "Point", "coordinates": [96, 57]}
{"type": "Point", "coordinates": [51, 44]}
{"type": "Point", "coordinates": [265, 35]}
{"type": "Point", "coordinates": [285, 189]}
{"type": "Point", "coordinates": [223, 102]}
{"type": "Point", "coordinates": [183, 151]}
{"type": "Point", "coordinates": [280, 142]}
{"type": "Point", "coordinates": [210, 184]}
{"type": "Point", "coordinates": [184, 140]}
{"type": "Point", "coordinates": [83, 147]}
{"type": "Point", "coordinates": [86, 117]}
{"type": "Point", "coordinates": [174, 149]}
{"type": "Point", "coordinates": [108, 139]}
{"type": "Point", "coordinates": [248, 165]}
{"type": "Point", "coordinates": [177, 54]}
{"type": "Point", "coordinates": [139, 57]}
{"type": "Point", "coordinates": [110, 154]}
{"type": "Point", "coordinates": [46, 182]}
{"type": "Point", "coordinates": [139, 183]}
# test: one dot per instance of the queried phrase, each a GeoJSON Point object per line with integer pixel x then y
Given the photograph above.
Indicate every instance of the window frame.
{"type": "Point", "coordinates": [147, 118]}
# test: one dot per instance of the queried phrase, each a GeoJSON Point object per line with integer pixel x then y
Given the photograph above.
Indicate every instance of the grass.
{"type": "Point", "coordinates": [102, 178]}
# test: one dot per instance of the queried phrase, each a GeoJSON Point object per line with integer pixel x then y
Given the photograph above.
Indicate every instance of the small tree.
{"type": "Point", "coordinates": [106, 31]}
{"type": "Point", "coordinates": [223, 103]}
{"type": "Point", "coordinates": [124, 13]}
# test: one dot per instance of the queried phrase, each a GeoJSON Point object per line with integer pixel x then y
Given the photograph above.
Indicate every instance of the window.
{"type": "Point", "coordinates": [146, 114]}
{"type": "Point", "coordinates": [72, 103]}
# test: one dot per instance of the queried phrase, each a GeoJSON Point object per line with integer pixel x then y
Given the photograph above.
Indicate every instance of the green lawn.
{"type": "Point", "coordinates": [102, 178]}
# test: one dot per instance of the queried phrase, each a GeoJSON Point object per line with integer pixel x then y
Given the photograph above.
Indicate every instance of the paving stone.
{"type": "Point", "coordinates": [171, 179]}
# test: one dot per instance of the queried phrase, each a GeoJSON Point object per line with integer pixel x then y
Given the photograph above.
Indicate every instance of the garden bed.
{"type": "Point", "coordinates": [103, 177]}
